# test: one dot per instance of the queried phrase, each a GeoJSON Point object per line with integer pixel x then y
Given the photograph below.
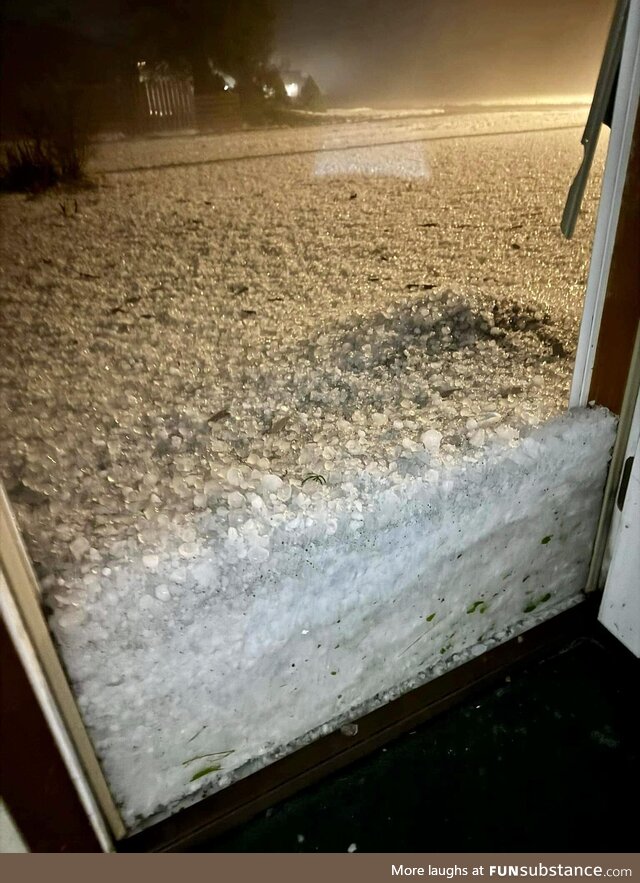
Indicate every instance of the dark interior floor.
{"type": "Point", "coordinates": [546, 761]}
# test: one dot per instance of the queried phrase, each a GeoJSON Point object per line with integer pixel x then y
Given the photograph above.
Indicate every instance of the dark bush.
{"type": "Point", "coordinates": [27, 168]}
{"type": "Point", "coordinates": [54, 147]}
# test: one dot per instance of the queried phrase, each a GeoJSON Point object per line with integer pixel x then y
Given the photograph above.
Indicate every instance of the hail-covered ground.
{"type": "Point", "coordinates": [274, 424]}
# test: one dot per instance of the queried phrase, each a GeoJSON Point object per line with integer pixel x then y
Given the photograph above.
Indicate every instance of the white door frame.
{"type": "Point", "coordinates": [22, 613]}
{"type": "Point", "coordinates": [620, 605]}
{"type": "Point", "coordinates": [622, 127]}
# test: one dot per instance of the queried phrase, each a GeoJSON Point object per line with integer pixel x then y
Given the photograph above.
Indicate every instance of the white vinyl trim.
{"type": "Point", "coordinates": [622, 126]}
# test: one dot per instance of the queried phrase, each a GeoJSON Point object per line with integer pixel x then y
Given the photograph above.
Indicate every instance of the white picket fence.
{"type": "Point", "coordinates": [159, 104]}
{"type": "Point", "coordinates": [165, 103]}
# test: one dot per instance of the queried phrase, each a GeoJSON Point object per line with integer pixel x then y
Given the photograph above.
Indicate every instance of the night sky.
{"type": "Point", "coordinates": [413, 51]}
{"type": "Point", "coordinates": [434, 50]}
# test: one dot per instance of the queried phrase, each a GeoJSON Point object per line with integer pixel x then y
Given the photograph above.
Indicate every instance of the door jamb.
{"type": "Point", "coordinates": [22, 613]}
{"type": "Point", "coordinates": [622, 129]}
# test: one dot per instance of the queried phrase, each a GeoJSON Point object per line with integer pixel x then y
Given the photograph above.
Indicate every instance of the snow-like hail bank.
{"type": "Point", "coordinates": [276, 439]}
{"type": "Point", "coordinates": [244, 630]}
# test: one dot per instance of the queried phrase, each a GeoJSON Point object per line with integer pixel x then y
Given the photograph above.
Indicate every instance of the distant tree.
{"type": "Point", "coordinates": [273, 85]}
{"type": "Point", "coordinates": [311, 98]}
{"type": "Point", "coordinates": [201, 35]}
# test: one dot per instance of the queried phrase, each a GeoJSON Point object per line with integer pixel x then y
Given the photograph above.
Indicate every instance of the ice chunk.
{"type": "Point", "coordinates": [507, 433]}
{"type": "Point", "coordinates": [79, 547]}
{"type": "Point", "coordinates": [188, 550]}
{"type": "Point", "coordinates": [188, 533]}
{"type": "Point", "coordinates": [257, 553]}
{"type": "Point", "coordinates": [146, 602]}
{"type": "Point", "coordinates": [489, 418]}
{"type": "Point", "coordinates": [271, 483]}
{"type": "Point", "coordinates": [478, 438]}
{"type": "Point", "coordinates": [234, 476]}
{"type": "Point", "coordinates": [75, 616]}
{"type": "Point", "coordinates": [431, 440]}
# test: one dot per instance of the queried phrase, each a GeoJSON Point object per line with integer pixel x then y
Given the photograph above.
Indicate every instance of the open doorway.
{"type": "Point", "coordinates": [284, 416]}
